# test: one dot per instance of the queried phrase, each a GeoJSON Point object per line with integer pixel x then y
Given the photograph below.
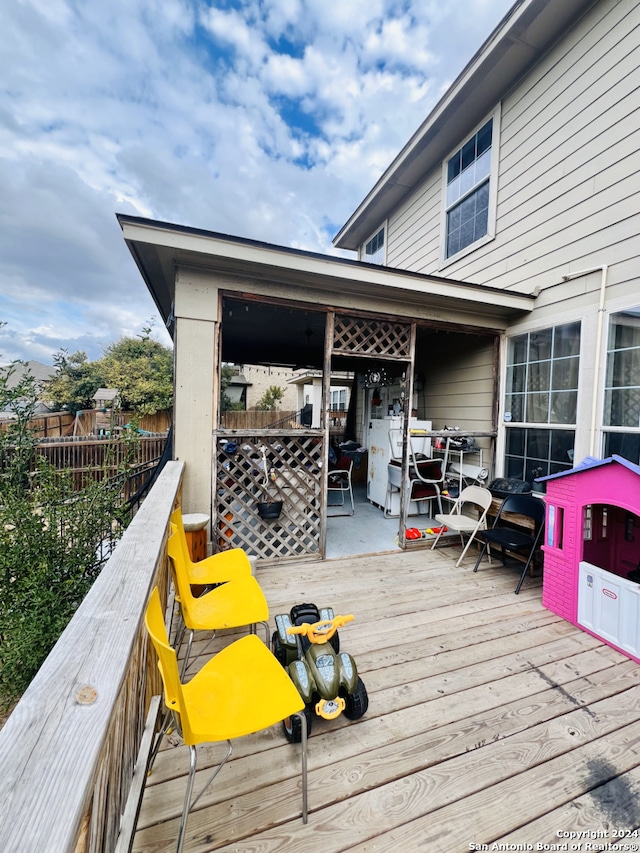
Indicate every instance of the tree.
{"type": "Point", "coordinates": [227, 373]}
{"type": "Point", "coordinates": [75, 382]}
{"type": "Point", "coordinates": [140, 369]}
{"type": "Point", "coordinates": [270, 399]}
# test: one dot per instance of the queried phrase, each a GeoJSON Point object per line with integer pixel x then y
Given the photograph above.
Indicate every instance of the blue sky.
{"type": "Point", "coordinates": [266, 119]}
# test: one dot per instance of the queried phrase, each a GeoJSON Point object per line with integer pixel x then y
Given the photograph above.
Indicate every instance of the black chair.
{"type": "Point", "coordinates": [510, 538]}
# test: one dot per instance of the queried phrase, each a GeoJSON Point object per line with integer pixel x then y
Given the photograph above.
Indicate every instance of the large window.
{"type": "Point", "coordinates": [468, 191]}
{"type": "Point", "coordinates": [541, 401]}
{"type": "Point", "coordinates": [622, 387]}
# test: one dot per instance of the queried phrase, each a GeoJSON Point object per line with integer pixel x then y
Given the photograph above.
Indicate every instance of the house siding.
{"type": "Point", "coordinates": [568, 196]}
{"type": "Point", "coordinates": [568, 184]}
{"type": "Point", "coordinates": [458, 384]}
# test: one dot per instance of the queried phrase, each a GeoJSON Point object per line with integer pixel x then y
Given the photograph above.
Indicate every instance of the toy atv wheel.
{"type": "Point", "coordinates": [356, 703]}
{"type": "Point", "coordinates": [292, 726]}
{"type": "Point", "coordinates": [279, 653]}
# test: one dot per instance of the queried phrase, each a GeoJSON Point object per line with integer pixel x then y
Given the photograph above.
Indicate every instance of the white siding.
{"type": "Point", "coordinates": [569, 181]}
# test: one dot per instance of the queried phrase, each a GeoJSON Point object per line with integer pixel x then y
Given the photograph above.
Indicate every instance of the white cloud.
{"type": "Point", "coordinates": [269, 121]}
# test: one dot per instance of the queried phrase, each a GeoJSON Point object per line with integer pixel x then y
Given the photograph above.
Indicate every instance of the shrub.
{"type": "Point", "coordinates": [51, 543]}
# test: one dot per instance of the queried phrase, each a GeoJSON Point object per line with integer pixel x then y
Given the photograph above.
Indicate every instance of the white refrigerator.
{"type": "Point", "coordinates": [385, 444]}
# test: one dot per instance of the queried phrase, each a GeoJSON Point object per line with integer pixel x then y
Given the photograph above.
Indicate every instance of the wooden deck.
{"type": "Point", "coordinates": [490, 720]}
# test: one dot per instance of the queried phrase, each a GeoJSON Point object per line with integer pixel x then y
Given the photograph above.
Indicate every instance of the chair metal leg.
{"type": "Point", "coordinates": [305, 811]}
{"type": "Point", "coordinates": [529, 561]}
{"type": "Point", "coordinates": [214, 774]}
{"type": "Point", "coordinates": [353, 506]}
{"type": "Point", "coordinates": [253, 629]}
{"type": "Point", "coordinates": [465, 548]}
{"type": "Point", "coordinates": [164, 729]}
{"type": "Point", "coordinates": [185, 663]}
{"type": "Point", "coordinates": [480, 556]}
{"type": "Point", "coordinates": [435, 541]}
{"type": "Point", "coordinates": [187, 798]}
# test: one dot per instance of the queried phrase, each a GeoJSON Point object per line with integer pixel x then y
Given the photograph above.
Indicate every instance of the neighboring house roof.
{"type": "Point", "coordinates": [40, 372]}
{"type": "Point", "coordinates": [239, 379]}
{"type": "Point", "coordinates": [523, 36]}
{"type": "Point", "coordinates": [589, 463]}
{"type": "Point", "coordinates": [339, 378]}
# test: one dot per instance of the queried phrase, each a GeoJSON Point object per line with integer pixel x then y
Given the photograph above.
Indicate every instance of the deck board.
{"type": "Point", "coordinates": [489, 719]}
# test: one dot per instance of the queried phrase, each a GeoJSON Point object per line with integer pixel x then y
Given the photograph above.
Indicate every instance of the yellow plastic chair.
{"type": "Point", "coordinates": [231, 605]}
{"type": "Point", "coordinates": [242, 690]}
{"type": "Point", "coordinates": [218, 568]}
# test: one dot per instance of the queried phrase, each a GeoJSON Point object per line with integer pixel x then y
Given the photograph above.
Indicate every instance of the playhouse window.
{"type": "Point", "coordinates": [555, 526]}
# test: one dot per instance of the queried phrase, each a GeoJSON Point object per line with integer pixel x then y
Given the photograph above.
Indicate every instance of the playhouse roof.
{"type": "Point", "coordinates": [591, 462]}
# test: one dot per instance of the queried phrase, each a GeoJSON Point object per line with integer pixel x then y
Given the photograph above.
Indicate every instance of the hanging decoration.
{"type": "Point", "coordinates": [375, 377]}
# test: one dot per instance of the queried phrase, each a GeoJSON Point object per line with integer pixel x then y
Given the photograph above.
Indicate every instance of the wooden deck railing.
{"type": "Point", "coordinates": [69, 751]}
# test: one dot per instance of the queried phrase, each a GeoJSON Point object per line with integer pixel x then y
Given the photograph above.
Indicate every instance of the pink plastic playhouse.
{"type": "Point", "coordinates": [592, 550]}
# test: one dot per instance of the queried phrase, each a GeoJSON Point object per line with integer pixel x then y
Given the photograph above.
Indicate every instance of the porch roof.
{"type": "Point", "coordinates": [159, 248]}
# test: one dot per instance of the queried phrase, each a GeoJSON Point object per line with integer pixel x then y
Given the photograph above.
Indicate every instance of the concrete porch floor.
{"type": "Point", "coordinates": [367, 531]}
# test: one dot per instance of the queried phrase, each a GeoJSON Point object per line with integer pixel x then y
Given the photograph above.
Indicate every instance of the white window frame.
{"type": "Point", "coordinates": [493, 192]}
{"type": "Point", "coordinates": [381, 255]}
{"type": "Point", "coordinates": [605, 428]}
{"type": "Point", "coordinates": [547, 425]}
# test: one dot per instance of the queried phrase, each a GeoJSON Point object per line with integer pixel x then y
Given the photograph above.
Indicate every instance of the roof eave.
{"type": "Point", "coordinates": [159, 248]}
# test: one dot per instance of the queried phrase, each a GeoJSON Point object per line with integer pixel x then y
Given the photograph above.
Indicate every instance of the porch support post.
{"type": "Point", "coordinates": [408, 406]}
{"type": "Point", "coordinates": [326, 385]}
{"type": "Point", "coordinates": [195, 384]}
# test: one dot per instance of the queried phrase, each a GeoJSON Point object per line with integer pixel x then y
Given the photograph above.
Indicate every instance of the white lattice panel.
{"type": "Point", "coordinates": [295, 462]}
{"type": "Point", "coordinates": [365, 336]}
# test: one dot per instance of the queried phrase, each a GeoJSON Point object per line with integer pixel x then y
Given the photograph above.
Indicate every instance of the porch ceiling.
{"type": "Point", "coordinates": [267, 333]}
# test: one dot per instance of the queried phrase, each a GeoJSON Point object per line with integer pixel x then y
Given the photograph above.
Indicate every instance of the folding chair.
{"type": "Point", "coordinates": [457, 520]}
{"type": "Point", "coordinates": [509, 538]}
{"type": "Point", "coordinates": [242, 690]}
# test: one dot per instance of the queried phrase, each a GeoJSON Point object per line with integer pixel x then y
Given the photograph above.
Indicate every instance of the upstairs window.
{"type": "Point", "coordinates": [374, 249]}
{"type": "Point", "coordinates": [470, 191]}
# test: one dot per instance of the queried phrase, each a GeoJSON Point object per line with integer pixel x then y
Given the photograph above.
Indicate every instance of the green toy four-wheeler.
{"type": "Point", "coordinates": [307, 644]}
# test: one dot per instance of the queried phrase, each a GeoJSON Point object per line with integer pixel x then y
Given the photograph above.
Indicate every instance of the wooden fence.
{"type": "Point", "coordinates": [73, 752]}
{"type": "Point", "coordinates": [254, 419]}
{"type": "Point", "coordinates": [62, 424]}
{"type": "Point", "coordinates": [94, 458]}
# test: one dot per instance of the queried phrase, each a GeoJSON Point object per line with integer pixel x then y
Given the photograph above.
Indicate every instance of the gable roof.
{"type": "Point", "coordinates": [589, 463]}
{"type": "Point", "coordinates": [528, 30]}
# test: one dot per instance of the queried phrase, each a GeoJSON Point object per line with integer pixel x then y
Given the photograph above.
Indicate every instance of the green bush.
{"type": "Point", "coordinates": [52, 542]}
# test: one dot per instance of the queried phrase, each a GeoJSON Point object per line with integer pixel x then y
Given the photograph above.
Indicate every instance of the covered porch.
{"type": "Point", "coordinates": [424, 352]}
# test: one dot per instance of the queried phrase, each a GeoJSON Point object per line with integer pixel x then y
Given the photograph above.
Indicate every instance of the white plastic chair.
{"type": "Point", "coordinates": [340, 481]}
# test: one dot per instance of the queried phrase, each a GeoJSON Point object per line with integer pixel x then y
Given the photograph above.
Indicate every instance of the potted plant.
{"type": "Point", "coordinates": [269, 507]}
